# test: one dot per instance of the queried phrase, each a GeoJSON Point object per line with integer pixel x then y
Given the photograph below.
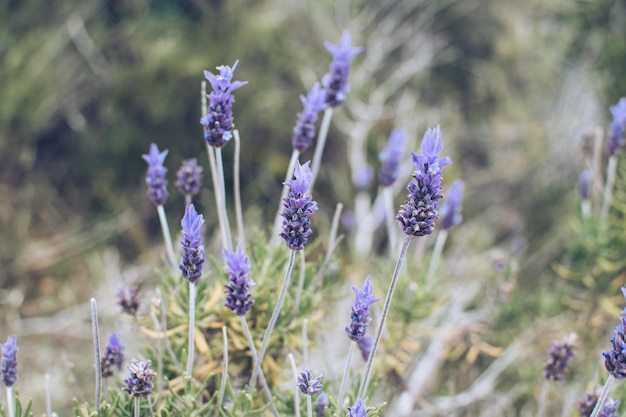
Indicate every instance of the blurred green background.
{"type": "Point", "coordinates": [86, 86]}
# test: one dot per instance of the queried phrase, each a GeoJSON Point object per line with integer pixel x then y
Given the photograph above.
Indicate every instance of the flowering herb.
{"type": "Point", "coordinates": [451, 209]}
{"type": "Point", "coordinates": [304, 131]}
{"type": "Point", "coordinates": [391, 157]}
{"type": "Point", "coordinates": [321, 404]}
{"type": "Point", "coordinates": [189, 177]}
{"type": "Point", "coordinates": [155, 178]}
{"type": "Point", "coordinates": [615, 359]}
{"type": "Point", "coordinates": [615, 139]}
{"type": "Point", "coordinates": [336, 81]}
{"type": "Point", "coordinates": [193, 249]}
{"type": "Point", "coordinates": [128, 299]}
{"type": "Point", "coordinates": [218, 121]}
{"type": "Point", "coordinates": [113, 356]}
{"type": "Point", "coordinates": [139, 384]}
{"type": "Point", "coordinates": [358, 410]}
{"type": "Point", "coordinates": [418, 214]}
{"type": "Point", "coordinates": [298, 206]}
{"type": "Point", "coordinates": [558, 360]}
{"type": "Point", "coordinates": [359, 318]}
{"type": "Point", "coordinates": [309, 385]}
{"type": "Point", "coordinates": [9, 361]}
{"type": "Point", "coordinates": [238, 297]}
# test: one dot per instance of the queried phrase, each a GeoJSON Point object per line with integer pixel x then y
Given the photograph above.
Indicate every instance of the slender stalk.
{"type": "Point", "coordinates": [96, 348]}
{"type": "Point", "coordinates": [436, 256]}
{"type": "Point", "coordinates": [392, 229]}
{"type": "Point", "coordinates": [217, 192]}
{"type": "Point", "coordinates": [188, 199]}
{"type": "Point", "coordinates": [11, 402]}
{"type": "Point", "coordinates": [321, 143]}
{"type": "Point", "coordinates": [603, 396]}
{"type": "Point", "coordinates": [157, 328]}
{"type": "Point", "coordinates": [272, 322]}
{"type": "Point", "coordinates": [305, 343]}
{"type": "Point", "coordinates": [192, 327]}
{"type": "Point", "coordinates": [381, 325]}
{"type": "Point", "coordinates": [277, 220]}
{"type": "Point", "coordinates": [137, 411]}
{"type": "Point", "coordinates": [344, 380]}
{"type": "Point", "coordinates": [48, 397]}
{"type": "Point", "coordinates": [168, 345]}
{"type": "Point", "coordinates": [309, 406]}
{"type": "Point", "coordinates": [296, 304]}
{"type": "Point", "coordinates": [544, 396]}
{"type": "Point", "coordinates": [171, 258]}
{"type": "Point", "coordinates": [222, 200]}
{"type": "Point", "coordinates": [333, 241]}
{"type": "Point", "coordinates": [220, 396]}
{"type": "Point", "coordinates": [296, 391]}
{"type": "Point", "coordinates": [611, 171]}
{"type": "Point", "coordinates": [241, 236]}
{"type": "Point", "coordinates": [266, 389]}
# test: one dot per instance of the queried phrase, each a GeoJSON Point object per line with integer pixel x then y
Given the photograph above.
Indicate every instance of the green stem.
{"type": "Point", "coordinates": [381, 325]}
{"type": "Point", "coordinates": [222, 200]}
{"type": "Point", "coordinates": [603, 396]}
{"type": "Point", "coordinates": [319, 147]}
{"type": "Point", "coordinates": [96, 347]}
{"type": "Point", "coordinates": [344, 380]}
{"type": "Point", "coordinates": [171, 258]}
{"type": "Point", "coordinates": [220, 396]}
{"type": "Point", "coordinates": [237, 190]}
{"type": "Point", "coordinates": [192, 327]}
{"type": "Point", "coordinates": [218, 194]}
{"type": "Point", "coordinates": [296, 391]}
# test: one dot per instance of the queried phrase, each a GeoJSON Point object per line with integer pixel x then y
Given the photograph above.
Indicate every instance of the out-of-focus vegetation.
{"type": "Point", "coordinates": [87, 86]}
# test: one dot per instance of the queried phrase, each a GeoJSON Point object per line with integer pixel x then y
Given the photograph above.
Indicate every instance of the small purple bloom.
{"type": "Point", "coordinates": [218, 121]}
{"type": "Point", "coordinates": [360, 316]}
{"type": "Point", "coordinates": [558, 360]}
{"type": "Point", "coordinates": [9, 361]}
{"type": "Point", "coordinates": [336, 81]}
{"type": "Point", "coordinates": [128, 299]}
{"type": "Point", "coordinates": [113, 356]}
{"type": "Point", "coordinates": [615, 139]}
{"type": "Point", "coordinates": [140, 382]}
{"type": "Point", "coordinates": [588, 402]}
{"type": "Point", "coordinates": [193, 249]}
{"type": "Point", "coordinates": [451, 209]}
{"type": "Point", "coordinates": [157, 183]}
{"type": "Point", "coordinates": [321, 404]}
{"type": "Point", "coordinates": [309, 385]}
{"type": "Point", "coordinates": [304, 131]}
{"type": "Point", "coordinates": [298, 206]}
{"type": "Point", "coordinates": [418, 214]}
{"type": "Point", "coordinates": [584, 185]}
{"type": "Point", "coordinates": [365, 346]}
{"type": "Point", "coordinates": [358, 410]}
{"type": "Point", "coordinates": [363, 177]}
{"type": "Point", "coordinates": [609, 409]}
{"type": "Point", "coordinates": [391, 157]}
{"type": "Point", "coordinates": [238, 297]}
{"type": "Point", "coordinates": [615, 359]}
{"type": "Point", "coordinates": [189, 177]}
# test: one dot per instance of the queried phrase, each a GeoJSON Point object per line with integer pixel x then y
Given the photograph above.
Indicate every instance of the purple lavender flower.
{"type": "Point", "coordinates": [140, 382]}
{"type": "Point", "coordinates": [238, 297]}
{"type": "Point", "coordinates": [451, 209]}
{"type": "Point", "coordinates": [113, 356]}
{"type": "Point", "coordinates": [615, 359]}
{"type": "Point", "coordinates": [365, 346]}
{"type": "Point", "coordinates": [9, 361]}
{"type": "Point", "coordinates": [304, 131]}
{"type": "Point", "coordinates": [128, 299]}
{"type": "Point", "coordinates": [609, 409]}
{"type": "Point", "coordinates": [391, 157]}
{"type": "Point", "coordinates": [189, 177]}
{"type": "Point", "coordinates": [615, 139]}
{"type": "Point", "coordinates": [321, 404]}
{"type": "Point", "coordinates": [363, 177]}
{"type": "Point", "coordinates": [360, 316]}
{"type": "Point", "coordinates": [588, 402]}
{"type": "Point", "coordinates": [157, 183]}
{"type": "Point", "coordinates": [336, 81]}
{"type": "Point", "coordinates": [418, 214]}
{"type": "Point", "coordinates": [298, 206]}
{"type": "Point", "coordinates": [193, 249]}
{"type": "Point", "coordinates": [309, 385]}
{"type": "Point", "coordinates": [358, 410]}
{"type": "Point", "coordinates": [218, 121]}
{"type": "Point", "coordinates": [558, 360]}
{"type": "Point", "coordinates": [584, 185]}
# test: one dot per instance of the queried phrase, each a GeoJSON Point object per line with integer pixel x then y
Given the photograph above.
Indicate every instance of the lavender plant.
{"type": "Point", "coordinates": [9, 371]}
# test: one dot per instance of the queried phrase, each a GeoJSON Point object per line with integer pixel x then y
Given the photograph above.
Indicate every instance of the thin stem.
{"type": "Point", "coordinates": [392, 230]}
{"type": "Point", "coordinates": [603, 396]}
{"type": "Point", "coordinates": [277, 220]}
{"type": "Point", "coordinates": [168, 345]}
{"type": "Point", "coordinates": [222, 200]}
{"type": "Point", "coordinates": [48, 397]}
{"type": "Point", "coordinates": [266, 389]}
{"type": "Point", "coordinates": [188, 199]}
{"type": "Point", "coordinates": [192, 327]}
{"type": "Point", "coordinates": [96, 348]}
{"type": "Point", "coordinates": [611, 171]}
{"type": "Point", "coordinates": [171, 258]}
{"type": "Point", "coordinates": [309, 406]}
{"type": "Point", "coordinates": [344, 380]}
{"type": "Point", "coordinates": [157, 328]}
{"type": "Point", "coordinates": [305, 343]}
{"type": "Point", "coordinates": [332, 244]}
{"type": "Point", "coordinates": [218, 194]}
{"type": "Point", "coordinates": [544, 396]}
{"type": "Point", "coordinates": [436, 256]}
{"type": "Point", "coordinates": [10, 401]}
{"type": "Point", "coordinates": [296, 391]}
{"type": "Point", "coordinates": [137, 411]}
{"type": "Point", "coordinates": [381, 325]}
{"type": "Point", "coordinates": [220, 396]}
{"type": "Point", "coordinates": [321, 143]}
{"type": "Point", "coordinates": [296, 304]}
{"type": "Point", "coordinates": [241, 236]}
{"type": "Point", "coordinates": [272, 322]}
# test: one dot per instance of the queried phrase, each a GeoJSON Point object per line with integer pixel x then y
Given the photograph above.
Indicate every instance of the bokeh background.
{"type": "Point", "coordinates": [86, 86]}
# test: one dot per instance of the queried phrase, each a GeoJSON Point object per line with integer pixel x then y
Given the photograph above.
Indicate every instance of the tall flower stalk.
{"type": "Point", "coordinates": [298, 206]}
{"type": "Point", "coordinates": [157, 192]}
{"type": "Point", "coordinates": [417, 217]}
{"type": "Point", "coordinates": [139, 384]}
{"type": "Point", "coordinates": [309, 386]}
{"type": "Point", "coordinates": [191, 268]}
{"type": "Point", "coordinates": [9, 371]}
{"type": "Point", "coordinates": [615, 141]}
{"type": "Point", "coordinates": [556, 366]}
{"type": "Point", "coordinates": [390, 158]}
{"type": "Point", "coordinates": [189, 179]}
{"type": "Point", "coordinates": [96, 347]}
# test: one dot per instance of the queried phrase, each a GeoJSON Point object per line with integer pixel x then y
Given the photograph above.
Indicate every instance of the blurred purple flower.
{"type": "Point", "coordinates": [451, 209]}
{"type": "Point", "coordinates": [365, 346]}
{"type": "Point", "coordinates": [193, 249]}
{"type": "Point", "coordinates": [140, 382]}
{"type": "Point", "coordinates": [304, 131]}
{"type": "Point", "coordinates": [584, 185]}
{"type": "Point", "coordinates": [128, 299]}
{"type": "Point", "coordinates": [189, 177]}
{"type": "Point", "coordinates": [336, 81]}
{"type": "Point", "coordinates": [321, 404]}
{"type": "Point", "coordinates": [155, 178]}
{"type": "Point", "coordinates": [9, 361]}
{"type": "Point", "coordinates": [298, 206]}
{"type": "Point", "coordinates": [359, 317]}
{"type": "Point", "coordinates": [358, 410]}
{"type": "Point", "coordinates": [113, 356]}
{"type": "Point", "coordinates": [558, 360]}
{"type": "Point", "coordinates": [391, 157]}
{"type": "Point", "coordinates": [363, 177]}
{"type": "Point", "coordinates": [238, 297]}
{"type": "Point", "coordinates": [218, 121]}
{"type": "Point", "coordinates": [418, 214]}
{"type": "Point", "coordinates": [615, 359]}
{"type": "Point", "coordinates": [609, 409]}
{"type": "Point", "coordinates": [309, 385]}
{"type": "Point", "coordinates": [615, 139]}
